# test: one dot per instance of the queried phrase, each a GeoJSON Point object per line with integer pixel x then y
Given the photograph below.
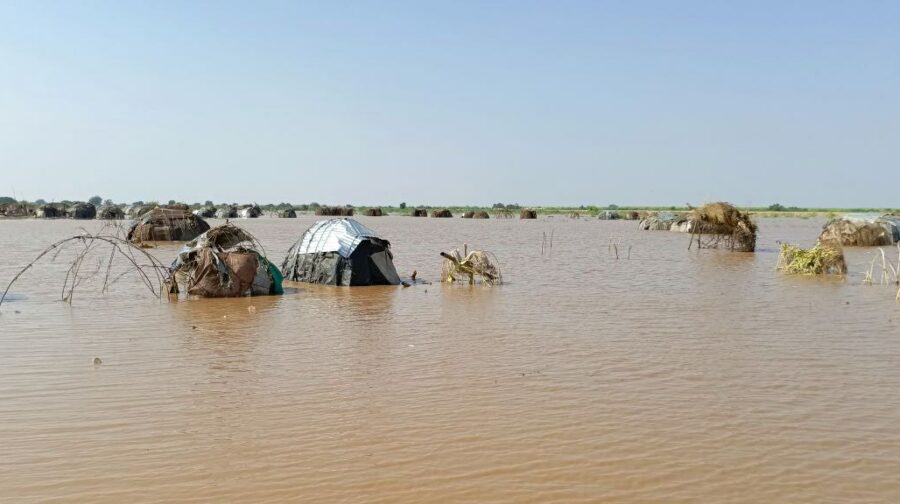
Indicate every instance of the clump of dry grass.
{"type": "Point", "coordinates": [822, 259]}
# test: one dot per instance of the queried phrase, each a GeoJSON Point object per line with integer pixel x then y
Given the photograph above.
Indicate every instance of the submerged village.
{"type": "Point", "coordinates": [227, 261]}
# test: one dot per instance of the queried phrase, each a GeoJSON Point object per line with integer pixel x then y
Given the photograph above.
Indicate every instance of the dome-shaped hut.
{"type": "Point", "coordinates": [167, 224]}
{"type": "Point", "coordinates": [340, 252]}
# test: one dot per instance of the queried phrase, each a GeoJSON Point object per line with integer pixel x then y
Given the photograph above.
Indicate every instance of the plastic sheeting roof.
{"type": "Point", "coordinates": [334, 235]}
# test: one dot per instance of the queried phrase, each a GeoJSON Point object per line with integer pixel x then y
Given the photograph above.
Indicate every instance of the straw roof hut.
{"type": "Point", "coordinates": [227, 212]}
{"type": "Point", "coordinates": [444, 213]}
{"type": "Point", "coordinates": [167, 224]}
{"type": "Point", "coordinates": [528, 213]}
{"type": "Point", "coordinates": [862, 231]}
{"type": "Point", "coordinates": [335, 211]}
{"type": "Point", "coordinates": [661, 221]}
{"type": "Point", "coordinates": [481, 214]}
{"type": "Point", "coordinates": [49, 212]}
{"type": "Point", "coordinates": [609, 215]}
{"type": "Point", "coordinates": [419, 212]}
{"type": "Point", "coordinates": [287, 213]}
{"type": "Point", "coordinates": [468, 215]}
{"type": "Point", "coordinates": [110, 212]}
{"type": "Point", "coordinates": [207, 212]}
{"type": "Point", "coordinates": [249, 211]}
{"type": "Point", "coordinates": [374, 212]}
{"type": "Point", "coordinates": [82, 211]}
{"type": "Point", "coordinates": [722, 224]}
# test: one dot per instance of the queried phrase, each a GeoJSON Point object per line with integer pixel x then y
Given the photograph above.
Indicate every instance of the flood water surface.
{"type": "Point", "coordinates": [666, 375]}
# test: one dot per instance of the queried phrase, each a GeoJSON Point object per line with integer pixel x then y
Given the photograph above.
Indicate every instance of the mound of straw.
{"type": "Point", "coordinates": [823, 259]}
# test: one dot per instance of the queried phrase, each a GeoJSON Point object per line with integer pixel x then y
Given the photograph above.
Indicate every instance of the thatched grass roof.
{"type": "Point", "coordinates": [850, 232]}
{"type": "Point", "coordinates": [335, 211]}
{"type": "Point", "coordinates": [528, 213]}
{"type": "Point", "coordinates": [724, 224]}
{"type": "Point", "coordinates": [481, 214]}
{"type": "Point", "coordinates": [419, 212]}
{"type": "Point", "coordinates": [443, 213]}
{"type": "Point", "coordinates": [374, 212]}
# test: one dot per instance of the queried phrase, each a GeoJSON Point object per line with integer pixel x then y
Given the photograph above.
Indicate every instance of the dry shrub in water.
{"type": "Point", "coordinates": [823, 259]}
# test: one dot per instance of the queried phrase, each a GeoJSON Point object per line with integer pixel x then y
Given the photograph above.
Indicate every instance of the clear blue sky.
{"type": "Point", "coordinates": [541, 103]}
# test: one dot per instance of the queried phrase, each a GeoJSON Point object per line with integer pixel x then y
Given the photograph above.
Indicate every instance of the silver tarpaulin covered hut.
{"type": "Point", "coordinates": [340, 252]}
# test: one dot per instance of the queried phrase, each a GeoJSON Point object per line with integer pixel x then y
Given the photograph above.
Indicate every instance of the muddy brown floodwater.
{"type": "Point", "coordinates": [672, 376]}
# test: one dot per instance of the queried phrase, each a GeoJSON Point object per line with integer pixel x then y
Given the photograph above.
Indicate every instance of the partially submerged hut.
{"type": "Point", "coordinates": [249, 211]}
{"type": "Point", "coordinates": [15, 210]}
{"type": "Point", "coordinates": [419, 212]}
{"type": "Point", "coordinates": [609, 215]}
{"type": "Point", "coordinates": [632, 215]}
{"type": "Point", "coordinates": [374, 212]}
{"type": "Point", "coordinates": [661, 221]}
{"type": "Point", "coordinates": [49, 212]}
{"type": "Point", "coordinates": [287, 213]}
{"type": "Point", "coordinates": [335, 211]}
{"type": "Point", "coordinates": [82, 211]}
{"type": "Point", "coordinates": [207, 212]}
{"type": "Point", "coordinates": [468, 215]}
{"type": "Point", "coordinates": [340, 252]}
{"type": "Point", "coordinates": [227, 212]}
{"type": "Point", "coordinates": [167, 224]}
{"type": "Point", "coordinates": [862, 231]}
{"type": "Point", "coordinates": [442, 214]}
{"type": "Point", "coordinates": [225, 261]}
{"type": "Point", "coordinates": [481, 214]}
{"type": "Point", "coordinates": [135, 211]}
{"type": "Point", "coordinates": [110, 212]}
{"type": "Point", "coordinates": [722, 224]}
{"type": "Point", "coordinates": [528, 213]}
